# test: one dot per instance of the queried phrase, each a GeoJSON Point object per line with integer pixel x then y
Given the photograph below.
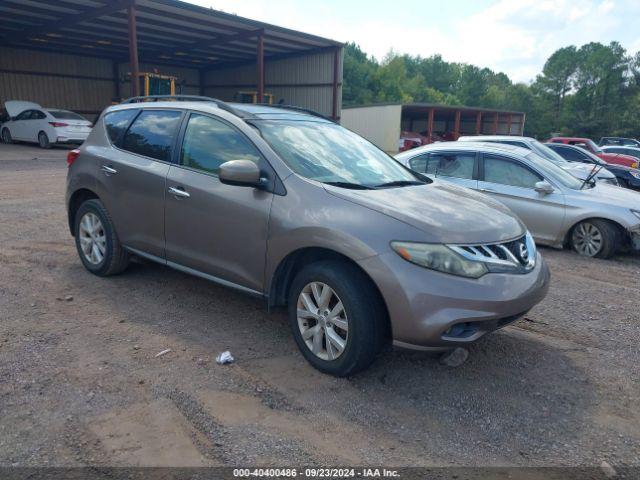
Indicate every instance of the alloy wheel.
{"type": "Point", "coordinates": [93, 240]}
{"type": "Point", "coordinates": [587, 239]}
{"type": "Point", "coordinates": [322, 320]}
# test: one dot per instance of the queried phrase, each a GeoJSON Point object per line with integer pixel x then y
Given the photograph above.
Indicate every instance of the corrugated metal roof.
{"type": "Point", "coordinates": [168, 32]}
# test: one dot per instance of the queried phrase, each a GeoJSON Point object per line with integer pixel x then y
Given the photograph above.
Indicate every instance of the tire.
{"type": "Point", "coordinates": [601, 234]}
{"type": "Point", "coordinates": [6, 136]}
{"type": "Point", "coordinates": [363, 309]}
{"type": "Point", "coordinates": [114, 258]}
{"type": "Point", "coordinates": [43, 140]}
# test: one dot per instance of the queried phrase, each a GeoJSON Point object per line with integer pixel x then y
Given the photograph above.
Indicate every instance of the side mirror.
{"type": "Point", "coordinates": [544, 188]}
{"type": "Point", "coordinates": [243, 173]}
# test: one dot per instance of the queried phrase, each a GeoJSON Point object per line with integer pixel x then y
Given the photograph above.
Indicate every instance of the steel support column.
{"type": "Point", "coordinates": [478, 123]}
{"type": "Point", "coordinates": [509, 119]}
{"type": "Point", "coordinates": [456, 126]}
{"type": "Point", "coordinates": [430, 124]}
{"type": "Point", "coordinates": [495, 123]}
{"type": "Point", "coordinates": [133, 51]}
{"type": "Point", "coordinates": [522, 123]}
{"type": "Point", "coordinates": [260, 72]}
{"type": "Point", "coordinates": [115, 69]}
{"type": "Point", "coordinates": [336, 66]}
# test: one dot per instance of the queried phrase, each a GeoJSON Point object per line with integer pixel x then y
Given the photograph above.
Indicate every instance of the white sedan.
{"type": "Point", "coordinates": [29, 122]}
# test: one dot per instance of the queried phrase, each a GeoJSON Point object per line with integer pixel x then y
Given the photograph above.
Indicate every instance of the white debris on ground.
{"type": "Point", "coordinates": [455, 357]}
{"type": "Point", "coordinates": [163, 352]}
{"type": "Point", "coordinates": [225, 357]}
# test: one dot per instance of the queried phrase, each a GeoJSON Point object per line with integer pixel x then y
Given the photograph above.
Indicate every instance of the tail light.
{"type": "Point", "coordinates": [72, 155]}
{"type": "Point", "coordinates": [58, 124]}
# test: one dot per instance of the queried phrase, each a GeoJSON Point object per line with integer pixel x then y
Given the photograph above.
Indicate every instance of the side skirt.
{"type": "Point", "coordinates": [197, 273]}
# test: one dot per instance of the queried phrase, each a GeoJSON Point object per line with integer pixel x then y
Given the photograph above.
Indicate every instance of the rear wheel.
{"type": "Point", "coordinates": [97, 242]}
{"type": "Point", "coordinates": [337, 317]}
{"type": "Point", "coordinates": [595, 238]}
{"type": "Point", "coordinates": [6, 136]}
{"type": "Point", "coordinates": [43, 140]}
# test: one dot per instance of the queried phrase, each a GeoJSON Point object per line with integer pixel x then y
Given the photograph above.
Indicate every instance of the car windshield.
{"type": "Point", "coordinates": [332, 154]}
{"type": "Point", "coordinates": [546, 152]}
{"type": "Point", "coordinates": [592, 145]}
{"type": "Point", "coordinates": [553, 171]}
{"type": "Point", "coordinates": [66, 115]}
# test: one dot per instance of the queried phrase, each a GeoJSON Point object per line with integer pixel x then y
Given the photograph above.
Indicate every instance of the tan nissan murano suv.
{"type": "Point", "coordinates": [284, 204]}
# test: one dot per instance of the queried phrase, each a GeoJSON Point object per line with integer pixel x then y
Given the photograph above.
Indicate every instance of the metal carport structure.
{"type": "Point", "coordinates": [65, 45]}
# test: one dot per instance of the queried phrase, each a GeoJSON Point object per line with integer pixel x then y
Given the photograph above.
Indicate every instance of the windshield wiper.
{"type": "Point", "coordinates": [354, 186]}
{"type": "Point", "coordinates": [591, 176]}
{"type": "Point", "coordinates": [400, 183]}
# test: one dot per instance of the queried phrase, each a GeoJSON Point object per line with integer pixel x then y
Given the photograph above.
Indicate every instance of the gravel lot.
{"type": "Point", "coordinates": [80, 383]}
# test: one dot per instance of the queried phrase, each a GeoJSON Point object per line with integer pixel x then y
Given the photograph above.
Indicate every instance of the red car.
{"type": "Point", "coordinates": [590, 146]}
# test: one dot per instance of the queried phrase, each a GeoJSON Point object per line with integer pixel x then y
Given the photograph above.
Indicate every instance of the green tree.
{"type": "Point", "coordinates": [557, 78]}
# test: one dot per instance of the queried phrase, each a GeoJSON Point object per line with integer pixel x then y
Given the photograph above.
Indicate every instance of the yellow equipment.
{"type": "Point", "coordinates": [152, 83]}
{"type": "Point", "coordinates": [252, 97]}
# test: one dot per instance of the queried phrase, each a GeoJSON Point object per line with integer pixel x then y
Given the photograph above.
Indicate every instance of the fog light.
{"type": "Point", "coordinates": [461, 330]}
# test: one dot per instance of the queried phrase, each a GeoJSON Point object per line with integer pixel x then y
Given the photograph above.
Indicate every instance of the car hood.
{"type": "Point", "coordinates": [614, 196]}
{"type": "Point", "coordinates": [612, 157]}
{"type": "Point", "coordinates": [16, 107]}
{"type": "Point", "coordinates": [446, 213]}
{"type": "Point", "coordinates": [616, 167]}
{"type": "Point", "coordinates": [582, 171]}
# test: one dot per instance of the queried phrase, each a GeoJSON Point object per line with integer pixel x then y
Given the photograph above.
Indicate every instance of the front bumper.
{"type": "Point", "coordinates": [431, 310]}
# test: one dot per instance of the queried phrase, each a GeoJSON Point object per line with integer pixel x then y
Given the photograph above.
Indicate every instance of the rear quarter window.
{"type": "Point", "coordinates": [117, 122]}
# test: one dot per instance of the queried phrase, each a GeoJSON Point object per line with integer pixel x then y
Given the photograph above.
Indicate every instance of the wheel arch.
{"type": "Point", "coordinates": [78, 198]}
{"type": "Point", "coordinates": [624, 234]}
{"type": "Point", "coordinates": [288, 267]}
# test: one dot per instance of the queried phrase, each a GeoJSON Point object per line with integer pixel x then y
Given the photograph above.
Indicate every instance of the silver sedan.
{"type": "Point", "coordinates": [560, 210]}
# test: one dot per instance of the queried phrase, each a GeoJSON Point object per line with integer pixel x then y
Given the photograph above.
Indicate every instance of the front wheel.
{"type": "Point", "coordinates": [595, 238]}
{"type": "Point", "coordinates": [43, 140]}
{"type": "Point", "coordinates": [337, 317]}
{"type": "Point", "coordinates": [6, 136]}
{"type": "Point", "coordinates": [96, 241]}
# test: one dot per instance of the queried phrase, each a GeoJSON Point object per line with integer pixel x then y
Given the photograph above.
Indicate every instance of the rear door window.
{"type": "Point", "coordinates": [152, 134]}
{"type": "Point", "coordinates": [117, 122]}
{"type": "Point", "coordinates": [26, 115]}
{"type": "Point", "coordinates": [457, 165]}
{"type": "Point", "coordinates": [509, 172]}
{"type": "Point", "coordinates": [208, 143]}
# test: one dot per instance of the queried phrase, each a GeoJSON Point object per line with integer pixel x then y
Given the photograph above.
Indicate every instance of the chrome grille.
{"type": "Point", "coordinates": [518, 255]}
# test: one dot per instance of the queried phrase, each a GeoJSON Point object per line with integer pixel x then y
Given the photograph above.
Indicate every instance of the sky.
{"type": "Point", "coordinates": [511, 36]}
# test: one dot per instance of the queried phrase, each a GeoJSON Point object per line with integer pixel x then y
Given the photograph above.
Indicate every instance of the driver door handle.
{"type": "Point", "coordinates": [488, 190]}
{"type": "Point", "coordinates": [179, 192]}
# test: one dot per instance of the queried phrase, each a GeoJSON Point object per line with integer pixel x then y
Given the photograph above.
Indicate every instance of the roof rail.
{"type": "Point", "coordinates": [187, 98]}
{"type": "Point", "coordinates": [298, 109]}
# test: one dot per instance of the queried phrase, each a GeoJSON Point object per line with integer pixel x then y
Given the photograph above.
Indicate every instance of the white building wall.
{"type": "Point", "coordinates": [379, 124]}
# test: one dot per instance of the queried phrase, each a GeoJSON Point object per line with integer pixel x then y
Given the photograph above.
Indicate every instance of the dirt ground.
{"type": "Point", "coordinates": [80, 383]}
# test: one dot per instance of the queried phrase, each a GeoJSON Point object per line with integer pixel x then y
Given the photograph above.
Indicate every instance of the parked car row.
{"type": "Point", "coordinates": [430, 251]}
{"type": "Point", "coordinates": [595, 218]}
{"type": "Point", "coordinates": [29, 122]}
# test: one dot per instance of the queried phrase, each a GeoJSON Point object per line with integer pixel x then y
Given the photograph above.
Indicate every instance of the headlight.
{"type": "Point", "coordinates": [438, 257]}
{"type": "Point", "coordinates": [635, 174]}
{"type": "Point", "coordinates": [636, 213]}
